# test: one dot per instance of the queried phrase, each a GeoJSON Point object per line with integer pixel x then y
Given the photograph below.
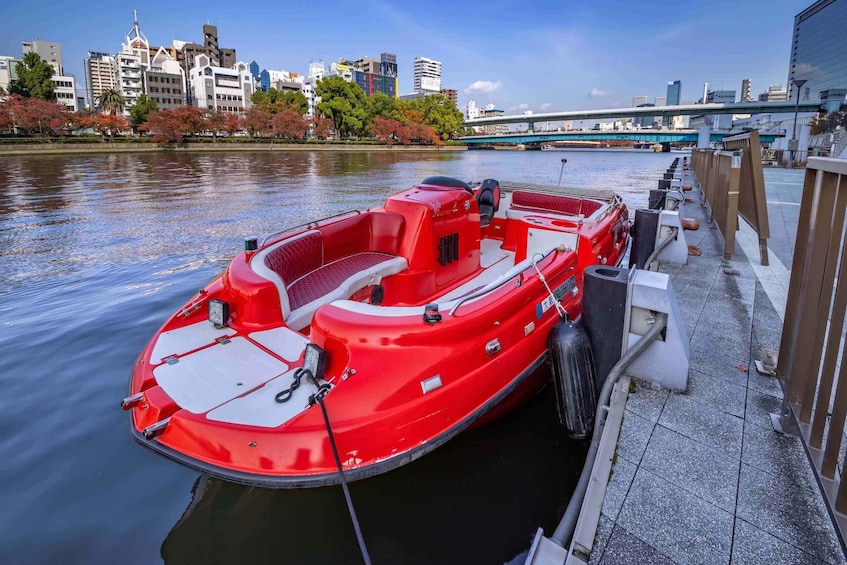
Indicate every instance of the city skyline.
{"type": "Point", "coordinates": [606, 51]}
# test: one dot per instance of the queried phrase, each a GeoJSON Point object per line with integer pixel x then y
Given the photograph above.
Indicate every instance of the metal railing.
{"type": "Point", "coordinates": [719, 175]}
{"type": "Point", "coordinates": [752, 203]}
{"type": "Point", "coordinates": [813, 331]}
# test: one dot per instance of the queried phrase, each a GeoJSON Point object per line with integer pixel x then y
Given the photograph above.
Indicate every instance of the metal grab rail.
{"type": "Point", "coordinates": [497, 284]}
{"type": "Point", "coordinates": [752, 203]}
{"type": "Point", "coordinates": [812, 331]}
{"type": "Point", "coordinates": [719, 174]}
{"type": "Point", "coordinates": [312, 224]}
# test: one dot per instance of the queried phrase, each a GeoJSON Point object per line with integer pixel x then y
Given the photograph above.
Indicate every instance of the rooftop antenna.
{"type": "Point", "coordinates": [562, 171]}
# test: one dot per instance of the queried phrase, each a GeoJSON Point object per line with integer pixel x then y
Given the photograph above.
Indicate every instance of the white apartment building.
{"type": "Point", "coordinates": [427, 75]}
{"type": "Point", "coordinates": [7, 71]}
{"type": "Point", "coordinates": [219, 88]}
{"type": "Point", "coordinates": [317, 72]}
{"type": "Point", "coordinates": [64, 87]}
{"type": "Point", "coordinates": [164, 81]}
{"type": "Point", "coordinates": [131, 62]}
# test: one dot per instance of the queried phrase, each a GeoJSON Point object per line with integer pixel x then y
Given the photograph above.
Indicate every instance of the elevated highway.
{"type": "Point", "coordinates": [645, 135]}
{"type": "Point", "coordinates": [657, 111]}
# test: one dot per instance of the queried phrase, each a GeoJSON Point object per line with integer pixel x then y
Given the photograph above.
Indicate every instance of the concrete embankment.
{"type": "Point", "coordinates": [93, 148]}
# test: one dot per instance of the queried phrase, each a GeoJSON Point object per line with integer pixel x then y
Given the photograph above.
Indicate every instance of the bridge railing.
{"type": "Point", "coordinates": [752, 204]}
{"type": "Point", "coordinates": [811, 366]}
{"type": "Point", "coordinates": [719, 175]}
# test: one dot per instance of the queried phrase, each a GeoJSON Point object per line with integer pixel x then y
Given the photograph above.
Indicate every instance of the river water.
{"type": "Point", "coordinates": [96, 251]}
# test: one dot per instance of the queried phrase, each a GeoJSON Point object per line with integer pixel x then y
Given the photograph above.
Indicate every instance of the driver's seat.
{"type": "Point", "coordinates": [488, 201]}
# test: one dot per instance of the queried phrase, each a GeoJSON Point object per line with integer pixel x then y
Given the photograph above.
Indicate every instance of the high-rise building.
{"type": "Point", "coordinates": [818, 49]}
{"type": "Point", "coordinates": [638, 100]}
{"type": "Point", "coordinates": [218, 56]}
{"type": "Point", "coordinates": [427, 75]}
{"type": "Point", "coordinates": [100, 75]}
{"type": "Point", "coordinates": [451, 94]}
{"type": "Point", "coordinates": [660, 101]}
{"type": "Point", "coordinates": [745, 91]}
{"type": "Point", "coordinates": [49, 51]}
{"type": "Point", "coordinates": [674, 93]}
{"type": "Point", "coordinates": [673, 97]}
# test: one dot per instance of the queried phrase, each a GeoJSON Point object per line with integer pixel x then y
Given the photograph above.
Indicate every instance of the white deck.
{"type": "Point", "coordinates": [259, 408]}
{"type": "Point", "coordinates": [285, 342]}
{"type": "Point", "coordinates": [208, 378]}
{"type": "Point", "coordinates": [189, 338]}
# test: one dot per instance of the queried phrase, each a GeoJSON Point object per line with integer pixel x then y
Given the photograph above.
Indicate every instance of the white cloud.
{"type": "Point", "coordinates": [597, 93]}
{"type": "Point", "coordinates": [484, 87]}
{"type": "Point", "coordinates": [546, 106]}
{"type": "Point", "coordinates": [519, 108]}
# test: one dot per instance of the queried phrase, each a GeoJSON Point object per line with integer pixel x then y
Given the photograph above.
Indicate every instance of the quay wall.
{"type": "Point", "coordinates": [60, 149]}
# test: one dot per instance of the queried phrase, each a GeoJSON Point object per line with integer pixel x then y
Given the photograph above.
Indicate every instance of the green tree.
{"type": "Point", "coordinates": [275, 101]}
{"type": "Point", "coordinates": [346, 104]}
{"type": "Point", "coordinates": [140, 110]}
{"type": "Point", "coordinates": [381, 105]}
{"type": "Point", "coordinates": [33, 80]}
{"type": "Point", "coordinates": [441, 114]}
{"type": "Point", "coordinates": [110, 101]}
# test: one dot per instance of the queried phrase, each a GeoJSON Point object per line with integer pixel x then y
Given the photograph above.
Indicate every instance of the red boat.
{"type": "Point", "coordinates": [420, 317]}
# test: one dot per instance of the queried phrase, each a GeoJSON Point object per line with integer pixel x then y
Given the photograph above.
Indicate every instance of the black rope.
{"type": "Point", "coordinates": [285, 395]}
{"type": "Point", "coordinates": [319, 398]}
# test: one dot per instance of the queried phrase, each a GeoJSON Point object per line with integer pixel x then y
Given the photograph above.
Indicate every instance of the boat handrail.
{"type": "Point", "coordinates": [487, 289]}
{"type": "Point", "coordinates": [312, 224]}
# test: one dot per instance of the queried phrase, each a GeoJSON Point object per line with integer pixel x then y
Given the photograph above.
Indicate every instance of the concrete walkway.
{"type": "Point", "coordinates": [701, 477]}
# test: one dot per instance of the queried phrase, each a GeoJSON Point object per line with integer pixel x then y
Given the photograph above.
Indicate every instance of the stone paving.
{"type": "Point", "coordinates": [701, 477]}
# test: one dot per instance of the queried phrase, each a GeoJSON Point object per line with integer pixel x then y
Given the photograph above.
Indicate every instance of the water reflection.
{"type": "Point", "coordinates": [476, 499]}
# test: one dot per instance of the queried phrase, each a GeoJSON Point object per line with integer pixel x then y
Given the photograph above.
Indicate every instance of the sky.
{"type": "Point", "coordinates": [542, 56]}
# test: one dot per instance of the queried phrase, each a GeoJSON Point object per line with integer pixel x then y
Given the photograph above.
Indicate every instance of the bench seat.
{"type": "Point", "coordinates": [337, 281]}
{"type": "Point", "coordinates": [330, 263]}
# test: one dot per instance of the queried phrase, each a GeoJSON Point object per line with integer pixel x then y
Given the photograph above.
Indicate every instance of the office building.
{"type": "Point", "coordinates": [427, 75]}
{"type": "Point", "coordinates": [49, 51]}
{"type": "Point", "coordinates": [660, 101]}
{"type": "Point", "coordinates": [674, 93]}
{"type": "Point", "coordinates": [818, 49]}
{"type": "Point", "coordinates": [638, 100]}
{"type": "Point", "coordinates": [775, 93]}
{"type": "Point", "coordinates": [361, 71]}
{"type": "Point", "coordinates": [745, 91]}
{"type": "Point", "coordinates": [100, 75]}
{"type": "Point", "coordinates": [218, 88]}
